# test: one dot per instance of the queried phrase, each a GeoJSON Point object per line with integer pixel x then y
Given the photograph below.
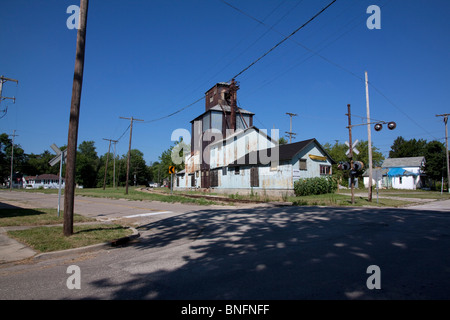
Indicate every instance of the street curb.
{"type": "Point", "coordinates": [91, 248]}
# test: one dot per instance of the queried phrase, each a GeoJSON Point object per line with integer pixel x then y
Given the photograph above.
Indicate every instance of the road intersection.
{"type": "Point", "coordinates": [249, 252]}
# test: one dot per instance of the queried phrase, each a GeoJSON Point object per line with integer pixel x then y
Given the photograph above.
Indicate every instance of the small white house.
{"type": "Point", "coordinates": [46, 181]}
{"type": "Point", "coordinates": [404, 173]}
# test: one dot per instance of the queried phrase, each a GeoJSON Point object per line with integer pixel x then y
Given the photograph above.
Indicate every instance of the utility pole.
{"type": "Point", "coordinates": [369, 142]}
{"type": "Point", "coordinates": [129, 150]}
{"type": "Point", "coordinates": [446, 147]}
{"type": "Point", "coordinates": [12, 160]}
{"type": "Point", "coordinates": [290, 133]}
{"type": "Point", "coordinates": [69, 191]}
{"type": "Point", "coordinates": [351, 152]}
{"type": "Point", "coordinates": [107, 159]}
{"type": "Point", "coordinates": [114, 170]}
{"type": "Point", "coordinates": [2, 81]}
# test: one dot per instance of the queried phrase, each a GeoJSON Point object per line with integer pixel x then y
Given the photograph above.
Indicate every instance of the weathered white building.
{"type": "Point", "coordinates": [400, 173]}
{"type": "Point", "coordinates": [229, 154]}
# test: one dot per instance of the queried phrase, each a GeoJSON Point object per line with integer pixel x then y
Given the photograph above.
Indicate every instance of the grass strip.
{"type": "Point", "coordinates": [47, 239]}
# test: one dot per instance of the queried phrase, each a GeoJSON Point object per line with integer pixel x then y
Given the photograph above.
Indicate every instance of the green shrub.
{"type": "Point", "coordinates": [313, 186]}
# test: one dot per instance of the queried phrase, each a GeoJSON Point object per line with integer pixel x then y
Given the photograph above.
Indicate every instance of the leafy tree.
{"type": "Point", "coordinates": [407, 148]}
{"type": "Point", "coordinates": [87, 164]}
{"type": "Point", "coordinates": [5, 157]}
{"type": "Point", "coordinates": [282, 141]}
{"type": "Point", "coordinates": [435, 160]}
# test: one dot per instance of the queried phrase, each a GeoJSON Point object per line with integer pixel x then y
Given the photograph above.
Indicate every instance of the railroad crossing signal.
{"type": "Point", "coordinates": [172, 169]}
{"type": "Point", "coordinates": [355, 151]}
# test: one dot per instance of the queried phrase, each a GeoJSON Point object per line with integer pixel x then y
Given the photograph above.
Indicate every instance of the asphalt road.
{"type": "Point", "coordinates": [265, 252]}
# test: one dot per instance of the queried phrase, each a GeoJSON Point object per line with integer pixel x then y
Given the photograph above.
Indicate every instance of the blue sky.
{"type": "Point", "coordinates": [147, 59]}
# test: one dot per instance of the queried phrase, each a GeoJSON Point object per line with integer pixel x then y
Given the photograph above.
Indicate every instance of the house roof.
{"type": "Point", "coordinates": [375, 172]}
{"type": "Point", "coordinates": [222, 108]}
{"type": "Point", "coordinates": [45, 176]}
{"type": "Point", "coordinates": [286, 152]}
{"type": "Point", "coordinates": [403, 162]}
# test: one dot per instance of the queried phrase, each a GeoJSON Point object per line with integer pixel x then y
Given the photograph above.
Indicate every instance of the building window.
{"type": "Point", "coordinates": [302, 164]}
{"type": "Point", "coordinates": [224, 171]}
{"type": "Point", "coordinates": [325, 170]}
{"type": "Point", "coordinates": [400, 180]}
{"type": "Point", "coordinates": [236, 170]}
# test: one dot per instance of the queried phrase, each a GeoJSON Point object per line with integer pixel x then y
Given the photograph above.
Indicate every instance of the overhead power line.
{"type": "Point", "coordinates": [250, 65]}
{"type": "Point", "coordinates": [285, 38]}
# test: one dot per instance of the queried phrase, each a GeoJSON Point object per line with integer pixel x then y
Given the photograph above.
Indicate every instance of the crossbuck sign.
{"type": "Point", "coordinates": [355, 151]}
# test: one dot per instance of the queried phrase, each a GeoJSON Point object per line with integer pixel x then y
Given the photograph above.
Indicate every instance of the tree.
{"type": "Point", "coordinates": [435, 159]}
{"type": "Point", "coordinates": [5, 157]}
{"type": "Point", "coordinates": [87, 164]}
{"type": "Point", "coordinates": [282, 141]}
{"type": "Point", "coordinates": [407, 148]}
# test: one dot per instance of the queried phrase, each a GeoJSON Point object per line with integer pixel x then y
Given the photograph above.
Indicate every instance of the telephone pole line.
{"type": "Point", "coordinates": [446, 147]}
{"type": "Point", "coordinates": [2, 81]}
{"type": "Point", "coordinates": [12, 159]}
{"type": "Point", "coordinates": [350, 142]}
{"type": "Point", "coordinates": [290, 133]}
{"type": "Point", "coordinates": [369, 141]}
{"type": "Point", "coordinates": [107, 159]}
{"type": "Point", "coordinates": [129, 149]}
{"type": "Point", "coordinates": [69, 191]}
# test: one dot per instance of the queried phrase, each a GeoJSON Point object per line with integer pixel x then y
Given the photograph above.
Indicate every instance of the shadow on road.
{"type": "Point", "coordinates": [289, 253]}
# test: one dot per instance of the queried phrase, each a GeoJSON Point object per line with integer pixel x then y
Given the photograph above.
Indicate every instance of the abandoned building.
{"type": "Point", "coordinates": [229, 154]}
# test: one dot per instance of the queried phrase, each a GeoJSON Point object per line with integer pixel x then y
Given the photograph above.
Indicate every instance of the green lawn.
{"type": "Point", "coordinates": [133, 194]}
{"type": "Point", "coordinates": [46, 239]}
{"type": "Point", "coordinates": [35, 217]}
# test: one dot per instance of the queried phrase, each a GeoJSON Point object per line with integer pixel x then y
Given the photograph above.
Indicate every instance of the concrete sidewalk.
{"type": "Point", "coordinates": [12, 250]}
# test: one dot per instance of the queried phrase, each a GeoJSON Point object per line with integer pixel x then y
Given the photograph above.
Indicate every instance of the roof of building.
{"type": "Point", "coordinates": [223, 108]}
{"type": "Point", "coordinates": [403, 162]}
{"type": "Point", "coordinates": [376, 172]}
{"type": "Point", "coordinates": [45, 176]}
{"type": "Point", "coordinates": [286, 152]}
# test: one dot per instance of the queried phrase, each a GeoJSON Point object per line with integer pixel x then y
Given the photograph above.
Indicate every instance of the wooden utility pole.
{"type": "Point", "coordinates": [446, 147]}
{"type": "Point", "coordinates": [129, 150]}
{"type": "Point", "coordinates": [69, 191]}
{"type": "Point", "coordinates": [350, 142]}
{"type": "Point", "coordinates": [369, 142]}
{"type": "Point", "coordinates": [12, 160]}
{"type": "Point", "coordinates": [107, 160]}
{"type": "Point", "coordinates": [290, 133]}
{"type": "Point", "coordinates": [114, 170]}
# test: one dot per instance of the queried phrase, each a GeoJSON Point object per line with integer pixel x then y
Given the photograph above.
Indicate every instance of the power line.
{"type": "Point", "coordinates": [286, 38]}
{"type": "Point", "coordinates": [252, 64]}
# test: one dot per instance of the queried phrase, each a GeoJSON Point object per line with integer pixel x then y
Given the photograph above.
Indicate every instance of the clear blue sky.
{"type": "Point", "coordinates": [147, 59]}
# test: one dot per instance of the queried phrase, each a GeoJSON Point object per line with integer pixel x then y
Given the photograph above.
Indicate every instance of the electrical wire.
{"type": "Point", "coordinates": [251, 64]}
{"type": "Point", "coordinates": [286, 38]}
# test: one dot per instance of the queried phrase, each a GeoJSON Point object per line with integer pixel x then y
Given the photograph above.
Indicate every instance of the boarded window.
{"type": "Point", "coordinates": [302, 164]}
{"type": "Point", "coordinates": [254, 177]}
{"type": "Point", "coordinates": [214, 178]}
